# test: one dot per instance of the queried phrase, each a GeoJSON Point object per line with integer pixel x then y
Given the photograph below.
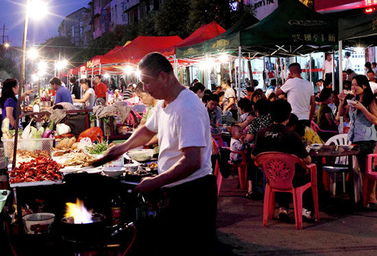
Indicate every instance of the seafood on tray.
{"type": "Point", "coordinates": [38, 169]}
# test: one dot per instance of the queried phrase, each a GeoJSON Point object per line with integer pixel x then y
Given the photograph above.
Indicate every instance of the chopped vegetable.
{"type": "Point", "coordinates": [97, 149]}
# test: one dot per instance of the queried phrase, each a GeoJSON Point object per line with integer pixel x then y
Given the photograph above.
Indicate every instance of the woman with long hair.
{"type": "Point", "coordinates": [8, 100]}
{"type": "Point", "coordinates": [363, 118]}
{"type": "Point", "coordinates": [89, 96]}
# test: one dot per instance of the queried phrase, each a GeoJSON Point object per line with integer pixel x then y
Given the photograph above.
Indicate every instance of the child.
{"type": "Point", "coordinates": [236, 144]}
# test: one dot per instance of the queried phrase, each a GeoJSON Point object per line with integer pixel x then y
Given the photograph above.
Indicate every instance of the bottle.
{"type": "Point", "coordinates": [116, 210]}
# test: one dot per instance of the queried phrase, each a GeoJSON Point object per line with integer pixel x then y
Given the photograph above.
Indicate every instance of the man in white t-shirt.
{"type": "Point", "coordinates": [347, 61]}
{"type": "Point", "coordinates": [329, 66]}
{"type": "Point", "coordinates": [300, 94]}
{"type": "Point", "coordinates": [182, 125]}
{"type": "Point", "coordinates": [372, 81]}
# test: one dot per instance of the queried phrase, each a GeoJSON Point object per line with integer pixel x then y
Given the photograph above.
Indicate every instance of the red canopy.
{"type": "Point", "coordinates": [204, 33]}
{"type": "Point", "coordinates": [139, 47]}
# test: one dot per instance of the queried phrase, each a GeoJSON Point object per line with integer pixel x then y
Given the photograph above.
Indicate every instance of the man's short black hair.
{"type": "Point", "coordinates": [56, 81]}
{"type": "Point", "coordinates": [198, 87]}
{"type": "Point", "coordinates": [295, 68]}
{"type": "Point", "coordinates": [155, 63]}
{"type": "Point", "coordinates": [99, 76]}
{"type": "Point", "coordinates": [280, 111]}
{"type": "Point", "coordinates": [370, 71]}
{"type": "Point", "coordinates": [347, 54]}
{"type": "Point", "coordinates": [214, 98]}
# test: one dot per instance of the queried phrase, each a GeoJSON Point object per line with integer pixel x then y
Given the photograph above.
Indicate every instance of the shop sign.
{"type": "Point", "coordinates": [263, 8]}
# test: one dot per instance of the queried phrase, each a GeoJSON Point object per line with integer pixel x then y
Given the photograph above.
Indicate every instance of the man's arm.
{"type": "Point", "coordinates": [184, 167]}
{"type": "Point", "coordinates": [279, 92]}
{"type": "Point", "coordinates": [139, 138]}
{"type": "Point", "coordinates": [231, 102]}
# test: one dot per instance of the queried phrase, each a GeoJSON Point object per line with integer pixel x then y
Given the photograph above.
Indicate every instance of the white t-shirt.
{"type": "Point", "coordinates": [229, 93]}
{"type": "Point", "coordinates": [327, 66]}
{"type": "Point", "coordinates": [373, 86]}
{"type": "Point", "coordinates": [347, 64]}
{"type": "Point", "coordinates": [298, 92]}
{"type": "Point", "coordinates": [92, 98]}
{"type": "Point", "coordinates": [181, 124]}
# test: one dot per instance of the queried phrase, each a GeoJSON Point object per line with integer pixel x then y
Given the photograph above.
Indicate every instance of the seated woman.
{"type": "Point", "coordinates": [325, 116]}
{"type": "Point", "coordinates": [89, 96]}
{"type": "Point", "coordinates": [362, 132]}
{"type": "Point", "coordinates": [247, 115]}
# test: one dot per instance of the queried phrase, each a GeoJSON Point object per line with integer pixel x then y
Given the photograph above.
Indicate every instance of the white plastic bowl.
{"type": "Point", "coordinates": [141, 155]}
{"type": "Point", "coordinates": [38, 223]}
{"type": "Point", "coordinates": [113, 171]}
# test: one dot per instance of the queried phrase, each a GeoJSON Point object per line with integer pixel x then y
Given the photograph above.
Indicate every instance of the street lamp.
{"type": "Point", "coordinates": [32, 54]}
{"type": "Point", "coordinates": [6, 45]}
{"type": "Point", "coordinates": [34, 9]}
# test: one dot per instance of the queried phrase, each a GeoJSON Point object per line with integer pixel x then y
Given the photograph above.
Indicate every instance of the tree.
{"type": "Point", "coordinates": [206, 11]}
{"type": "Point", "coordinates": [172, 18]}
{"type": "Point", "coordinates": [62, 47]}
{"type": "Point", "coordinates": [8, 69]}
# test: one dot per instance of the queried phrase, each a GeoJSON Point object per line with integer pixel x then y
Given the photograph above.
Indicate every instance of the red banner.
{"type": "Point", "coordinates": [333, 5]}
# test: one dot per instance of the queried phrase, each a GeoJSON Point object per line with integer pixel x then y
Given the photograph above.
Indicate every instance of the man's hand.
{"type": "Point", "coordinates": [113, 154]}
{"type": "Point", "coordinates": [148, 184]}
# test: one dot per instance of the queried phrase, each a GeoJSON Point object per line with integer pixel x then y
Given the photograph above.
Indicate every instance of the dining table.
{"type": "Point", "coordinates": [327, 155]}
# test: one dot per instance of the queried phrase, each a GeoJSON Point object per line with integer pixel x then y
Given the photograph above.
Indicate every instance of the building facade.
{"type": "Point", "coordinates": [76, 26]}
{"type": "Point", "coordinates": [118, 13]}
{"type": "Point", "coordinates": [101, 17]}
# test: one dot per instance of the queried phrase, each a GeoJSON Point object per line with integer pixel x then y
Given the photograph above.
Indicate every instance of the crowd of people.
{"type": "Point", "coordinates": [183, 121]}
{"type": "Point", "coordinates": [290, 117]}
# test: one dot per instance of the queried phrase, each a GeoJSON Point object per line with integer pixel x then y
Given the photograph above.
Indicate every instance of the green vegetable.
{"type": "Point", "coordinates": [98, 148]}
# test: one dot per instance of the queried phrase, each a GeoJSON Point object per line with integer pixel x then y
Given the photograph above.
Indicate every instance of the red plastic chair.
{"type": "Point", "coordinates": [371, 174]}
{"type": "Point", "coordinates": [241, 168]}
{"type": "Point", "coordinates": [279, 169]}
{"type": "Point", "coordinates": [216, 172]}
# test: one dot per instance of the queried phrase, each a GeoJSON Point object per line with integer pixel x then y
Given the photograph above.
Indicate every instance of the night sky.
{"type": "Point", "coordinates": [12, 15]}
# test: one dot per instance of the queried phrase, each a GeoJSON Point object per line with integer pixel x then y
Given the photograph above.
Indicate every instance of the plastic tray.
{"type": "Point", "coordinates": [36, 183]}
{"type": "Point", "coordinates": [31, 145]}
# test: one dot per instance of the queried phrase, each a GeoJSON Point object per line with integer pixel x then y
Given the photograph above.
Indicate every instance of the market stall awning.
{"type": "Point", "coordinates": [292, 29]}
{"type": "Point", "coordinates": [139, 47]}
{"type": "Point", "coordinates": [229, 40]}
{"type": "Point", "coordinates": [360, 29]}
{"type": "Point", "coordinates": [205, 32]}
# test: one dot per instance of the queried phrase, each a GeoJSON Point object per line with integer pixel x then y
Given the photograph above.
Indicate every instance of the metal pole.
{"type": "Point", "coordinates": [332, 69]}
{"type": "Point", "coordinates": [310, 68]}
{"type": "Point", "coordinates": [340, 65]}
{"type": "Point", "coordinates": [22, 84]}
{"type": "Point", "coordinates": [230, 71]}
{"type": "Point", "coordinates": [239, 72]}
{"type": "Point", "coordinates": [341, 121]}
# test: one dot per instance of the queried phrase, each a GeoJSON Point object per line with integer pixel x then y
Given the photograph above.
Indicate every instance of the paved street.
{"type": "Point", "coordinates": [240, 226]}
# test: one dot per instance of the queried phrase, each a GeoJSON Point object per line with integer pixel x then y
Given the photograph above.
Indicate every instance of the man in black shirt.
{"type": "Point", "coordinates": [278, 138]}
